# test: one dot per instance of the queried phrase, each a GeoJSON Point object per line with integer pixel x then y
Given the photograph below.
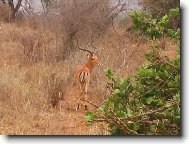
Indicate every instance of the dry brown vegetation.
{"type": "Point", "coordinates": [37, 91]}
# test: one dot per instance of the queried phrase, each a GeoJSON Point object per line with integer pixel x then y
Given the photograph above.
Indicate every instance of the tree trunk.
{"type": "Point", "coordinates": [14, 9]}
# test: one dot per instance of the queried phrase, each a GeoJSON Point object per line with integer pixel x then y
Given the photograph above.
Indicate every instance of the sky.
{"type": "Point", "coordinates": [133, 4]}
{"type": "Point", "coordinates": [37, 6]}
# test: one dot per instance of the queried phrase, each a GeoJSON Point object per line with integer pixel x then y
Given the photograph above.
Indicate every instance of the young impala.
{"type": "Point", "coordinates": [83, 74]}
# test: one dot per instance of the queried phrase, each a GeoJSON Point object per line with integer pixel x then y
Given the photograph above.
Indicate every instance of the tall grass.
{"type": "Point", "coordinates": [5, 13]}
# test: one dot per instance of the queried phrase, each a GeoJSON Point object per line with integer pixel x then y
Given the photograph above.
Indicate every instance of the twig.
{"type": "Point", "coordinates": [170, 64]}
{"type": "Point", "coordinates": [90, 103]}
{"type": "Point", "coordinates": [103, 128]}
{"type": "Point", "coordinates": [121, 125]}
{"type": "Point", "coordinates": [149, 113]}
{"type": "Point", "coordinates": [163, 84]}
{"type": "Point", "coordinates": [139, 116]}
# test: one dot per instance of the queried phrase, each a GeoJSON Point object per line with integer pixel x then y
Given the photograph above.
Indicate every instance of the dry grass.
{"type": "Point", "coordinates": [5, 13]}
{"type": "Point", "coordinates": [37, 94]}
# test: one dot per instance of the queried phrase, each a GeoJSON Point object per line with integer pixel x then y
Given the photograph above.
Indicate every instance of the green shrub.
{"type": "Point", "coordinates": [147, 103]}
{"type": "Point", "coordinates": [152, 26]}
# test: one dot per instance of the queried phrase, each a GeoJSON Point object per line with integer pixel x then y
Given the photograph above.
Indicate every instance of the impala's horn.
{"type": "Point", "coordinates": [83, 48]}
{"type": "Point", "coordinates": [91, 43]}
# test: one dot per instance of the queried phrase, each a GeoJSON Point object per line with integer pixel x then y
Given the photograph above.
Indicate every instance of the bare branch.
{"type": "Point", "coordinates": [3, 1]}
{"type": "Point", "coordinates": [91, 43]}
{"type": "Point", "coordinates": [119, 122]}
{"type": "Point", "coordinates": [89, 103]}
{"type": "Point", "coordinates": [122, 125]}
{"type": "Point", "coordinates": [14, 9]}
{"type": "Point", "coordinates": [17, 5]}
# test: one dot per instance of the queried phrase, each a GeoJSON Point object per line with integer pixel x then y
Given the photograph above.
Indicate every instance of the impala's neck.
{"type": "Point", "coordinates": [89, 64]}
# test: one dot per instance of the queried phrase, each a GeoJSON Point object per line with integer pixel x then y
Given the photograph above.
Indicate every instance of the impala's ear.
{"type": "Point", "coordinates": [88, 55]}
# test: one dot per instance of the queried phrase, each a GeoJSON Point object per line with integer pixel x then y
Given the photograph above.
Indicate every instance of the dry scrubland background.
{"type": "Point", "coordinates": [37, 61]}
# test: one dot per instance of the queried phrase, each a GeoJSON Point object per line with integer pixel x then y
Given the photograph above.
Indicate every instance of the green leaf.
{"type": "Point", "coordinates": [177, 97]}
{"type": "Point", "coordinates": [136, 126]}
{"type": "Point", "coordinates": [177, 79]}
{"type": "Point", "coordinates": [121, 113]}
{"type": "Point", "coordinates": [177, 119]}
{"type": "Point", "coordinates": [178, 32]}
{"type": "Point", "coordinates": [174, 12]}
{"type": "Point", "coordinates": [110, 103]}
{"type": "Point", "coordinates": [102, 109]}
{"type": "Point", "coordinates": [171, 84]}
{"type": "Point", "coordinates": [153, 128]}
{"type": "Point", "coordinates": [161, 102]}
{"type": "Point", "coordinates": [149, 100]}
{"type": "Point", "coordinates": [89, 116]}
{"type": "Point", "coordinates": [117, 92]}
{"type": "Point", "coordinates": [164, 20]}
{"type": "Point", "coordinates": [109, 73]}
{"type": "Point", "coordinates": [171, 32]}
{"type": "Point", "coordinates": [129, 112]}
{"type": "Point", "coordinates": [122, 81]}
{"type": "Point", "coordinates": [168, 103]}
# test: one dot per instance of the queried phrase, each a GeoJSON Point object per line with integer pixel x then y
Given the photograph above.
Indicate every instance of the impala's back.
{"type": "Point", "coordinates": [82, 76]}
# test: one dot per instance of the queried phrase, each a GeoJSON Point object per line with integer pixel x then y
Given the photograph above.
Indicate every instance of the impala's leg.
{"type": "Point", "coordinates": [80, 91]}
{"type": "Point", "coordinates": [86, 89]}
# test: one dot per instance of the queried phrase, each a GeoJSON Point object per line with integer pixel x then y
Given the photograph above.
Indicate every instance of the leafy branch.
{"type": "Point", "coordinates": [137, 102]}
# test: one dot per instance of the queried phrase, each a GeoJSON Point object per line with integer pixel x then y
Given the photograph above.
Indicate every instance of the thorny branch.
{"type": "Point", "coordinates": [115, 120]}
{"type": "Point", "coordinates": [120, 123]}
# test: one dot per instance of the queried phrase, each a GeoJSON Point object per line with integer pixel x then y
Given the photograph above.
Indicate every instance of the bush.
{"type": "Point", "coordinates": [31, 51]}
{"type": "Point", "coordinates": [35, 47]}
{"type": "Point", "coordinates": [158, 8]}
{"type": "Point", "coordinates": [152, 26]}
{"type": "Point", "coordinates": [54, 87]}
{"type": "Point", "coordinates": [147, 103]}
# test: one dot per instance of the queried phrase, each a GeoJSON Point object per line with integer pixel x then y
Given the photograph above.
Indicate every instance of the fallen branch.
{"type": "Point", "coordinates": [90, 103]}
{"type": "Point", "coordinates": [121, 125]}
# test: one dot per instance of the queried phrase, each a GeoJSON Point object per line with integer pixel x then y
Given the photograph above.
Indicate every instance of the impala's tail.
{"type": "Point", "coordinates": [84, 79]}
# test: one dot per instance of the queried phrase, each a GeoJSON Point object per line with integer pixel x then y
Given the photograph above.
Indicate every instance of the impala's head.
{"type": "Point", "coordinates": [93, 58]}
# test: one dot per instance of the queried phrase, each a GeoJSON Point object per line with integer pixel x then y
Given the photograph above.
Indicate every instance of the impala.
{"type": "Point", "coordinates": [83, 74]}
